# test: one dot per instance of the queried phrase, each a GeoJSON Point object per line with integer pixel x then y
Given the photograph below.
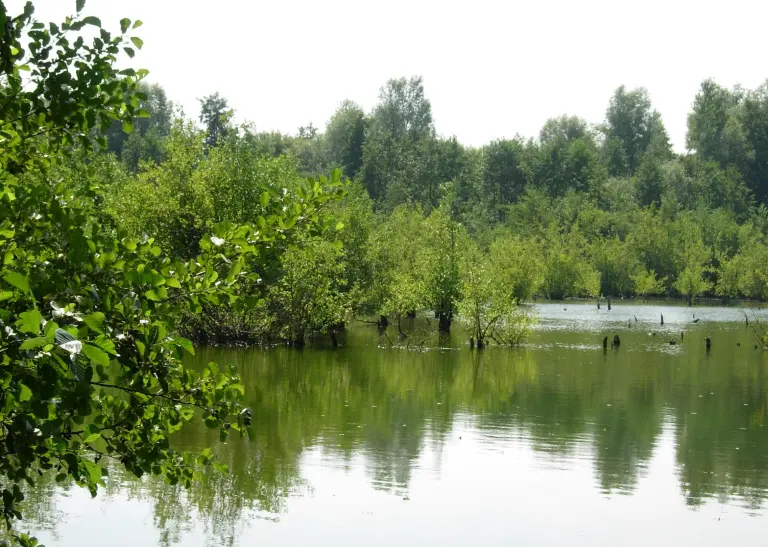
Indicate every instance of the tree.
{"type": "Point", "coordinates": [444, 240]}
{"type": "Point", "coordinates": [344, 137]}
{"type": "Point", "coordinates": [565, 128]}
{"type": "Point", "coordinates": [754, 121]}
{"type": "Point", "coordinates": [487, 307]}
{"type": "Point", "coordinates": [310, 294]}
{"type": "Point", "coordinates": [398, 265]}
{"type": "Point", "coordinates": [715, 132]}
{"type": "Point", "coordinates": [394, 151]}
{"type": "Point", "coordinates": [403, 110]}
{"type": "Point", "coordinates": [647, 283]}
{"type": "Point", "coordinates": [693, 259]}
{"type": "Point", "coordinates": [215, 115]}
{"type": "Point", "coordinates": [152, 123]}
{"type": "Point", "coordinates": [518, 263]}
{"type": "Point", "coordinates": [630, 126]}
{"type": "Point", "coordinates": [506, 173]}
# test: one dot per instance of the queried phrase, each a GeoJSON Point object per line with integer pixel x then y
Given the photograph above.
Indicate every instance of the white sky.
{"type": "Point", "coordinates": [491, 68]}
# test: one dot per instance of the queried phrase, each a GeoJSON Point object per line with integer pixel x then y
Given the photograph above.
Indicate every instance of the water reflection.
{"type": "Point", "coordinates": [561, 398]}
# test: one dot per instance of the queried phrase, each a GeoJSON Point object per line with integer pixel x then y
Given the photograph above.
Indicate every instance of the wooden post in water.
{"type": "Point", "coordinates": [708, 343]}
{"type": "Point", "coordinates": [605, 343]}
{"type": "Point", "coordinates": [609, 304]}
{"type": "Point", "coordinates": [662, 319]}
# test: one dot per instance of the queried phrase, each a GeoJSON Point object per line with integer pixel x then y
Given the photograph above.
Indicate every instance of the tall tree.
{"type": "Point", "coordinates": [715, 132]}
{"type": "Point", "coordinates": [403, 110]}
{"type": "Point", "coordinates": [215, 115]}
{"type": "Point", "coordinates": [344, 137]}
{"type": "Point", "coordinates": [631, 123]}
{"type": "Point", "coordinates": [565, 128]}
{"type": "Point", "coordinates": [394, 149]}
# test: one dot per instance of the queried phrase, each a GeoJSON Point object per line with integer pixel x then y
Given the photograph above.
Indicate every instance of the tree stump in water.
{"type": "Point", "coordinates": [605, 343]}
{"type": "Point", "coordinates": [708, 343]}
{"type": "Point", "coordinates": [616, 341]}
{"type": "Point", "coordinates": [662, 318]}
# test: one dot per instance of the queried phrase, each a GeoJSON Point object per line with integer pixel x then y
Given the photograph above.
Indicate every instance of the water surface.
{"type": "Point", "coordinates": [555, 443]}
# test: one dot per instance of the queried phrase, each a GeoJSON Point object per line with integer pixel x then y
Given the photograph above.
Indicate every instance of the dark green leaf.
{"type": "Point", "coordinates": [80, 4]}
{"type": "Point", "coordinates": [91, 20]}
{"type": "Point", "coordinates": [125, 23]}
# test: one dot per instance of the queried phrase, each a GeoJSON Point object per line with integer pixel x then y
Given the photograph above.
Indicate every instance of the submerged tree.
{"type": "Point", "coordinates": [487, 308]}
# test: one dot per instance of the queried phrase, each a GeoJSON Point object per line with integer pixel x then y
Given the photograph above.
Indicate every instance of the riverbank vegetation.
{"type": "Point", "coordinates": [582, 210]}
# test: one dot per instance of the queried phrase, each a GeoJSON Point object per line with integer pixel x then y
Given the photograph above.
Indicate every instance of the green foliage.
{"type": "Point", "coordinates": [215, 115]}
{"type": "Point", "coordinates": [518, 263]}
{"type": "Point", "coordinates": [647, 283]}
{"type": "Point", "coordinates": [309, 295]}
{"type": "Point", "coordinates": [488, 309]}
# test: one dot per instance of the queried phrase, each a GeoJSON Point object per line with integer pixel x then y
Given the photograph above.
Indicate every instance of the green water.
{"type": "Point", "coordinates": [555, 443]}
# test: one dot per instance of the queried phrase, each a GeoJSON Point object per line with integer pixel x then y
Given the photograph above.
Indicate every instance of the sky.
{"type": "Point", "coordinates": [491, 69]}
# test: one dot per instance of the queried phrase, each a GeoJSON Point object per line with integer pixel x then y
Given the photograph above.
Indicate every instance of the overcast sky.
{"type": "Point", "coordinates": [491, 68]}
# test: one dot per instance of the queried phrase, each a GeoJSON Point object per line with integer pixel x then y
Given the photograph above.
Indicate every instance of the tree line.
{"type": "Point", "coordinates": [583, 210]}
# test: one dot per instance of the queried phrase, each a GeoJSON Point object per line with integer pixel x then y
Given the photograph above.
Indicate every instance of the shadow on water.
{"type": "Point", "coordinates": [562, 397]}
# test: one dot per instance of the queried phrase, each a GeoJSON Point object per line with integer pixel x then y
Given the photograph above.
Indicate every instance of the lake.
{"type": "Point", "coordinates": [554, 443]}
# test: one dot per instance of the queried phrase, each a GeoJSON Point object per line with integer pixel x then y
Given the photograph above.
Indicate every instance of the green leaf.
{"type": "Point", "coordinates": [5, 295]}
{"type": "Point", "coordinates": [127, 126]}
{"type": "Point", "coordinates": [106, 344]}
{"type": "Point", "coordinates": [93, 434]}
{"type": "Point", "coordinates": [185, 344]}
{"type": "Point", "coordinates": [130, 51]}
{"type": "Point", "coordinates": [187, 413]}
{"type": "Point", "coordinates": [137, 24]}
{"type": "Point", "coordinates": [95, 322]}
{"type": "Point", "coordinates": [138, 42]}
{"type": "Point", "coordinates": [143, 113]}
{"type": "Point", "coordinates": [264, 199]}
{"type": "Point", "coordinates": [80, 4]}
{"type": "Point", "coordinates": [32, 343]}
{"type": "Point", "coordinates": [91, 20]}
{"type": "Point", "coordinates": [339, 226]}
{"type": "Point", "coordinates": [96, 355]}
{"type": "Point", "coordinates": [94, 471]}
{"type": "Point", "coordinates": [17, 280]}
{"type": "Point", "coordinates": [30, 321]}
{"type": "Point", "coordinates": [124, 24]}
{"type": "Point", "coordinates": [25, 394]}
